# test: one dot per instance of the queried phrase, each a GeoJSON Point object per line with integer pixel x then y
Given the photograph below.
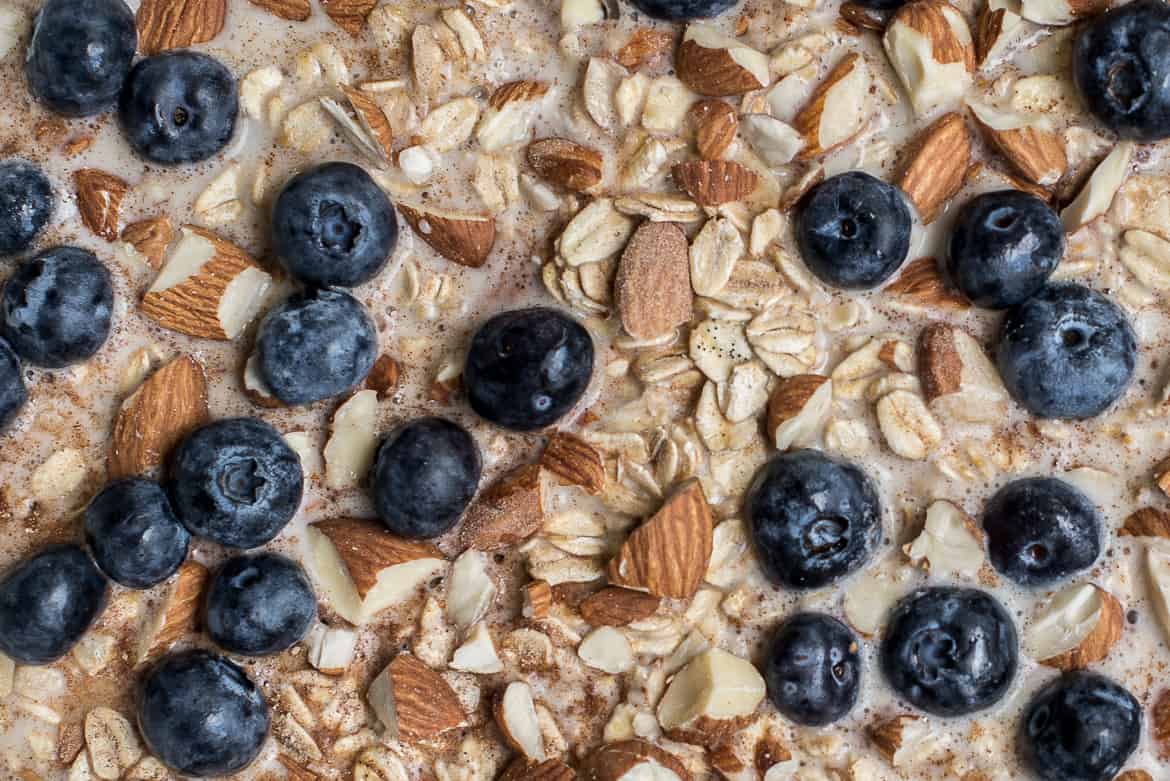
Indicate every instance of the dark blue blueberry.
{"type": "Point", "coordinates": [1004, 246]}
{"type": "Point", "coordinates": [315, 345]}
{"type": "Point", "coordinates": [26, 203]}
{"type": "Point", "coordinates": [134, 534]}
{"type": "Point", "coordinates": [1041, 530]}
{"type": "Point", "coordinates": [1067, 352]}
{"type": "Point", "coordinates": [950, 651]}
{"type": "Point", "coordinates": [1080, 727]}
{"type": "Point", "coordinates": [333, 225]}
{"type": "Point", "coordinates": [424, 476]}
{"type": "Point", "coordinates": [47, 602]}
{"type": "Point", "coordinates": [1121, 66]}
{"type": "Point", "coordinates": [235, 481]}
{"type": "Point", "coordinates": [528, 367]}
{"type": "Point", "coordinates": [677, 10]}
{"type": "Point", "coordinates": [56, 307]}
{"type": "Point", "coordinates": [813, 519]}
{"type": "Point", "coordinates": [178, 107]}
{"type": "Point", "coordinates": [79, 54]}
{"type": "Point", "coordinates": [13, 394]}
{"type": "Point", "coordinates": [854, 230]}
{"type": "Point", "coordinates": [813, 669]}
{"type": "Point", "coordinates": [201, 715]}
{"type": "Point", "coordinates": [881, 5]}
{"type": "Point", "coordinates": [259, 605]}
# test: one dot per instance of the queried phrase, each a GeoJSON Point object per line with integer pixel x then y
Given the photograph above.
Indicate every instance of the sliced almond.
{"type": "Point", "coordinates": [177, 613]}
{"type": "Point", "coordinates": [293, 10]}
{"type": "Point", "coordinates": [1035, 151]}
{"type": "Point", "coordinates": [478, 653]}
{"type": "Point", "coordinates": [413, 701]}
{"type": "Point", "coordinates": [644, 47]}
{"type": "Point", "coordinates": [1061, 12]}
{"type": "Point", "coordinates": [714, 182]}
{"type": "Point", "coordinates": [1076, 628]}
{"type": "Point", "coordinates": [165, 408]}
{"type": "Point", "coordinates": [937, 165]}
{"type": "Point", "coordinates": [511, 109]}
{"type": "Point", "coordinates": [331, 648]}
{"type": "Point", "coordinates": [566, 163]}
{"type": "Point", "coordinates": [667, 555]}
{"type": "Point", "coordinates": [538, 598]}
{"type": "Point", "coordinates": [950, 544]}
{"type": "Point", "coordinates": [715, 127]}
{"type": "Point", "coordinates": [349, 15]}
{"type": "Point", "coordinates": [209, 287]}
{"type": "Point", "coordinates": [798, 408]}
{"type": "Point", "coordinates": [99, 200]}
{"type": "Point", "coordinates": [363, 569]}
{"type": "Point", "coordinates": [957, 376]}
{"type": "Point", "coordinates": [574, 461]}
{"type": "Point", "coordinates": [1158, 569]}
{"type": "Point", "coordinates": [930, 47]}
{"type": "Point", "coordinates": [617, 607]}
{"type": "Point", "coordinates": [470, 591]}
{"type": "Point", "coordinates": [150, 238]}
{"type": "Point", "coordinates": [1146, 522]}
{"type": "Point", "coordinates": [710, 694]}
{"type": "Point", "coordinates": [607, 649]}
{"type": "Point", "coordinates": [834, 113]}
{"type": "Point", "coordinates": [507, 513]}
{"type": "Point", "coordinates": [549, 770]}
{"type": "Point", "coordinates": [1160, 716]}
{"type": "Point", "coordinates": [372, 120]}
{"type": "Point", "coordinates": [515, 713]}
{"type": "Point", "coordinates": [996, 27]}
{"type": "Point", "coordinates": [921, 286]}
{"type": "Point", "coordinates": [901, 739]}
{"type": "Point", "coordinates": [653, 284]}
{"type": "Point", "coordinates": [462, 237]}
{"type": "Point", "coordinates": [1097, 194]}
{"type": "Point", "coordinates": [178, 24]}
{"type": "Point", "coordinates": [353, 439]}
{"type": "Point", "coordinates": [631, 760]}
{"type": "Point", "coordinates": [711, 63]}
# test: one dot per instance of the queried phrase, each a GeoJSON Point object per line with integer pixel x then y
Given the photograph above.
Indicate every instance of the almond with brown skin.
{"type": "Point", "coordinates": [1161, 473]}
{"type": "Point", "coordinates": [798, 408]}
{"type": "Point", "coordinates": [150, 238]}
{"type": "Point", "coordinates": [714, 182]}
{"type": "Point", "coordinates": [549, 770]}
{"type": "Point", "coordinates": [937, 165]}
{"type": "Point", "coordinates": [714, 64]}
{"type": "Point", "coordinates": [538, 598]}
{"type": "Point", "coordinates": [461, 237]}
{"type": "Point", "coordinates": [1134, 775]}
{"type": "Point", "coordinates": [292, 10]}
{"type": "Point", "coordinates": [99, 200]}
{"type": "Point", "coordinates": [940, 367]}
{"type": "Point", "coordinates": [1146, 522]}
{"type": "Point", "coordinates": [929, 45]}
{"type": "Point", "coordinates": [566, 163]}
{"type": "Point", "coordinates": [165, 408]}
{"type": "Point", "coordinates": [652, 288]}
{"type": "Point", "coordinates": [384, 376]}
{"type": "Point", "coordinates": [507, 513]}
{"type": "Point", "coordinates": [1038, 154]}
{"type": "Point", "coordinates": [372, 119]}
{"type": "Point", "coordinates": [349, 15]}
{"type": "Point", "coordinates": [715, 127]}
{"type": "Point", "coordinates": [667, 555]}
{"type": "Point", "coordinates": [958, 376]}
{"type": "Point", "coordinates": [1076, 628]}
{"type": "Point", "coordinates": [177, 613]}
{"type": "Point", "coordinates": [178, 24]}
{"type": "Point", "coordinates": [575, 461]}
{"type": "Point", "coordinates": [863, 17]}
{"type": "Point", "coordinates": [1160, 719]}
{"type": "Point", "coordinates": [831, 117]}
{"type": "Point", "coordinates": [988, 28]}
{"type": "Point", "coordinates": [770, 750]}
{"type": "Point", "coordinates": [627, 760]}
{"type": "Point", "coordinates": [517, 91]}
{"type": "Point", "coordinates": [617, 607]}
{"type": "Point", "coordinates": [413, 701]}
{"type": "Point", "coordinates": [887, 735]}
{"type": "Point", "coordinates": [645, 46]}
{"type": "Point", "coordinates": [921, 284]}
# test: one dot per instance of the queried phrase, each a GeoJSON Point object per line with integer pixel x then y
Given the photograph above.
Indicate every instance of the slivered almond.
{"type": "Point", "coordinates": [209, 287]}
{"type": "Point", "coordinates": [652, 288]}
{"type": "Point", "coordinates": [667, 555]}
{"type": "Point", "coordinates": [177, 613]}
{"type": "Point", "coordinates": [617, 607]}
{"type": "Point", "coordinates": [645, 46]}
{"type": "Point", "coordinates": [178, 24]}
{"type": "Point", "coordinates": [549, 770]}
{"type": "Point", "coordinates": [461, 237]}
{"type": "Point", "coordinates": [293, 10]}
{"type": "Point", "coordinates": [150, 238]}
{"type": "Point", "coordinates": [714, 182]}
{"type": "Point", "coordinates": [515, 713]}
{"type": "Point", "coordinates": [1146, 522]}
{"type": "Point", "coordinates": [413, 701]}
{"type": "Point", "coordinates": [937, 165]}
{"type": "Point", "coordinates": [507, 513]}
{"type": "Point", "coordinates": [1076, 628]}
{"type": "Point", "coordinates": [798, 408]}
{"type": "Point", "coordinates": [921, 284]}
{"type": "Point", "coordinates": [165, 408]}
{"type": "Point", "coordinates": [99, 200]}
{"type": "Point", "coordinates": [715, 127]}
{"type": "Point", "coordinates": [349, 15]}
{"type": "Point", "coordinates": [714, 64]}
{"type": "Point", "coordinates": [566, 163]}
{"type": "Point", "coordinates": [573, 460]}
{"type": "Point", "coordinates": [833, 114]}
{"type": "Point", "coordinates": [631, 760]}
{"type": "Point", "coordinates": [1038, 154]}
{"type": "Point", "coordinates": [372, 119]}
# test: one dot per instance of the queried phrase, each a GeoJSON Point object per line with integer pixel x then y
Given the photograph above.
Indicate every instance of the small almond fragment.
{"type": "Point", "coordinates": [1146, 522]}
{"type": "Point", "coordinates": [710, 694]}
{"type": "Point", "coordinates": [715, 127]}
{"type": "Point", "coordinates": [507, 513]}
{"type": "Point", "coordinates": [566, 163]}
{"type": "Point", "coordinates": [920, 285]}
{"type": "Point", "coordinates": [834, 114]}
{"type": "Point", "coordinates": [178, 24]}
{"type": "Point", "coordinates": [384, 375]}
{"type": "Point", "coordinates": [1160, 716]}
{"type": "Point", "coordinates": [957, 377]}
{"type": "Point", "coordinates": [930, 47]}
{"type": "Point", "coordinates": [951, 543]}
{"type": "Point", "coordinates": [631, 760]}
{"type": "Point", "coordinates": [714, 64]}
{"type": "Point", "coordinates": [574, 461]}
{"type": "Point", "coordinates": [1096, 196]}
{"type": "Point", "coordinates": [798, 408]}
{"type": "Point", "coordinates": [331, 648]}
{"type": "Point", "coordinates": [515, 713]}
{"type": "Point", "coordinates": [614, 606]}
{"type": "Point", "coordinates": [897, 738]}
{"type": "Point", "coordinates": [937, 166]}
{"type": "Point", "coordinates": [99, 200]}
{"type": "Point", "coordinates": [353, 440]}
{"type": "Point", "coordinates": [150, 238]}
{"type": "Point", "coordinates": [464, 238]}
{"type": "Point", "coordinates": [645, 45]}
{"type": "Point", "coordinates": [549, 770]}
{"type": "Point", "coordinates": [292, 10]}
{"type": "Point", "coordinates": [714, 182]}
{"type": "Point", "coordinates": [1076, 628]}
{"type": "Point", "coordinates": [165, 408]}
{"type": "Point", "coordinates": [1035, 151]}
{"type": "Point", "coordinates": [413, 701]}
{"type": "Point", "coordinates": [653, 284]}
{"type": "Point", "coordinates": [177, 613]}
{"type": "Point", "coordinates": [372, 119]}
{"type": "Point", "coordinates": [538, 598]}
{"type": "Point", "coordinates": [1061, 12]}
{"type": "Point", "coordinates": [349, 15]}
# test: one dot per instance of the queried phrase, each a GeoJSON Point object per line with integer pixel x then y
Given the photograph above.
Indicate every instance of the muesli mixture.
{"type": "Point", "coordinates": [624, 390]}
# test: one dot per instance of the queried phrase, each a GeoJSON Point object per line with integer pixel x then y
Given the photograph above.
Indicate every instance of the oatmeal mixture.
{"type": "Point", "coordinates": [646, 178]}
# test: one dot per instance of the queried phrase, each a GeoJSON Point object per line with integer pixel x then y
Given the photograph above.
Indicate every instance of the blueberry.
{"type": "Point", "coordinates": [259, 605]}
{"type": "Point", "coordinates": [1121, 66]}
{"type": "Point", "coordinates": [881, 5]}
{"type": "Point", "coordinates": [854, 230]}
{"type": "Point", "coordinates": [950, 651]}
{"type": "Point", "coordinates": [47, 602]}
{"type": "Point", "coordinates": [1067, 352]}
{"type": "Point", "coordinates": [528, 367]}
{"type": "Point", "coordinates": [13, 394]}
{"type": "Point", "coordinates": [26, 203]}
{"type": "Point", "coordinates": [79, 55]}
{"type": "Point", "coordinates": [333, 225]}
{"type": "Point", "coordinates": [178, 107]}
{"type": "Point", "coordinates": [813, 669]}
{"type": "Point", "coordinates": [316, 344]}
{"type": "Point", "coordinates": [201, 715]}
{"type": "Point", "coordinates": [677, 10]}
{"type": "Point", "coordinates": [56, 307]}
{"type": "Point", "coordinates": [1080, 727]}
{"type": "Point", "coordinates": [235, 481]}
{"type": "Point", "coordinates": [813, 519]}
{"type": "Point", "coordinates": [424, 475]}
{"type": "Point", "coordinates": [134, 534]}
{"type": "Point", "coordinates": [1041, 530]}
{"type": "Point", "coordinates": [1003, 248]}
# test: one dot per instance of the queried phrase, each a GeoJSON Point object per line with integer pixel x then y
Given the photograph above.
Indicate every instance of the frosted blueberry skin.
{"type": "Point", "coordinates": [47, 602]}
{"type": "Point", "coordinates": [26, 204]}
{"type": "Point", "coordinates": [201, 715]}
{"type": "Point", "coordinates": [813, 669]}
{"type": "Point", "coordinates": [259, 604]}
{"type": "Point", "coordinates": [679, 10]}
{"type": "Point", "coordinates": [13, 393]}
{"type": "Point", "coordinates": [134, 535]}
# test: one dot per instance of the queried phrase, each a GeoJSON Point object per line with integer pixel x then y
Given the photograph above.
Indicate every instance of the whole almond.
{"type": "Point", "coordinates": [1160, 719]}
{"type": "Point", "coordinates": [177, 24]}
{"type": "Point", "coordinates": [164, 409]}
{"type": "Point", "coordinates": [99, 199]}
{"type": "Point", "coordinates": [507, 513]}
{"type": "Point", "coordinates": [715, 127]}
{"type": "Point", "coordinates": [653, 284]}
{"type": "Point", "coordinates": [424, 703]}
{"type": "Point", "coordinates": [566, 163]}
{"type": "Point", "coordinates": [617, 607]}
{"type": "Point", "coordinates": [714, 182]}
{"type": "Point", "coordinates": [937, 165]}
{"type": "Point", "coordinates": [366, 548]}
